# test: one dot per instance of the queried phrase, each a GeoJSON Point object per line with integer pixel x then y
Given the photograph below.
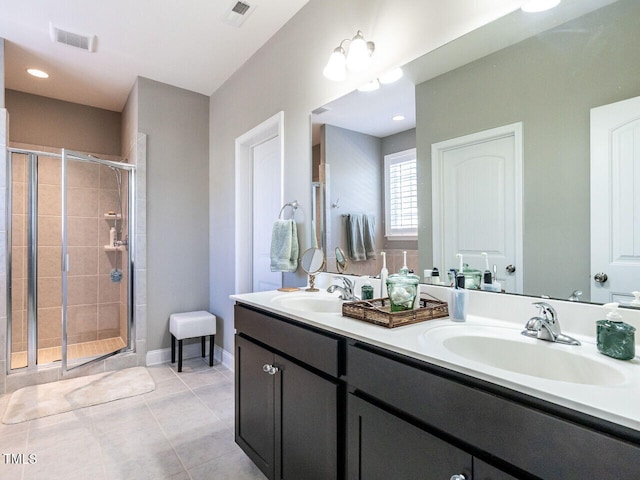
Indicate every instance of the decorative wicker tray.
{"type": "Point", "coordinates": [378, 311]}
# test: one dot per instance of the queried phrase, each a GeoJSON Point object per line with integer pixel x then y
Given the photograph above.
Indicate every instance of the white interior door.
{"type": "Point", "coordinates": [615, 201]}
{"type": "Point", "coordinates": [477, 202]}
{"type": "Point", "coordinates": [267, 186]}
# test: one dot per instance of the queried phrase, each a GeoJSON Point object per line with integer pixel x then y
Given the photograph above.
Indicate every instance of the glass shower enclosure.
{"type": "Point", "coordinates": [69, 258]}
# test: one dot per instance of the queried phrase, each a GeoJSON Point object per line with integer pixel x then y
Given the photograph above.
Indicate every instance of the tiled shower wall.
{"type": "Point", "coordinates": [95, 310]}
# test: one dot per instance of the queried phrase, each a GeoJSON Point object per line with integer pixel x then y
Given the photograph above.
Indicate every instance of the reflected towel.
{"type": "Point", "coordinates": [361, 237]}
{"type": "Point", "coordinates": [369, 236]}
{"type": "Point", "coordinates": [284, 246]}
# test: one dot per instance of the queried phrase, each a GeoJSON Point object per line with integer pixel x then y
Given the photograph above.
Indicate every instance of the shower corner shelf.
{"type": "Point", "coordinates": [111, 248]}
{"type": "Point", "coordinates": [115, 216]}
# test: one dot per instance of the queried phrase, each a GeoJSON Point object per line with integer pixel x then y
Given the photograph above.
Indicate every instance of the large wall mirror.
{"type": "Point", "coordinates": [526, 134]}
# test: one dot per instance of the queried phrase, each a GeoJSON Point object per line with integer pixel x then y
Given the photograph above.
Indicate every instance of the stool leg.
{"type": "Point", "coordinates": [180, 355]}
{"type": "Point", "coordinates": [173, 349]}
{"type": "Point", "coordinates": [211, 342]}
{"type": "Point", "coordinates": [203, 340]}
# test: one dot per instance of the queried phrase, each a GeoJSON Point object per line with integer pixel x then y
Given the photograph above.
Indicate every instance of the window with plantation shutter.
{"type": "Point", "coordinates": [401, 195]}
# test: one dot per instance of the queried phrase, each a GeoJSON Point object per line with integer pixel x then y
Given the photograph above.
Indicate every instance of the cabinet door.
{"type": "Point", "coordinates": [484, 471]}
{"type": "Point", "coordinates": [381, 446]}
{"type": "Point", "coordinates": [255, 404]}
{"type": "Point", "coordinates": [307, 430]}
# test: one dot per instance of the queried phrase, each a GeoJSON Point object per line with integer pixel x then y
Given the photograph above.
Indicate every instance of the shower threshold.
{"type": "Point", "coordinates": [77, 350]}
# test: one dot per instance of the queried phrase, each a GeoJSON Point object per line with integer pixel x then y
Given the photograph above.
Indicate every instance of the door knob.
{"type": "Point", "coordinates": [600, 277]}
{"type": "Point", "coordinates": [510, 268]}
{"type": "Point", "coordinates": [270, 369]}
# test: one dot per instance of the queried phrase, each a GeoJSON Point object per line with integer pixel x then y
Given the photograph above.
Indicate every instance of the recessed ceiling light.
{"type": "Point", "coordinates": [539, 5]}
{"type": "Point", "coordinates": [37, 73]}
{"type": "Point", "coordinates": [397, 118]}
{"type": "Point", "coordinates": [391, 76]}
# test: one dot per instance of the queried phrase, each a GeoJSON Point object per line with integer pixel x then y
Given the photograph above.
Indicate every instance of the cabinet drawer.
{"type": "Point", "coordinates": [542, 444]}
{"type": "Point", "coordinates": [316, 349]}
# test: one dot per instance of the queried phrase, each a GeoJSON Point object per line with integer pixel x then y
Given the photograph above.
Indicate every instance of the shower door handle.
{"type": "Point", "coordinates": [65, 263]}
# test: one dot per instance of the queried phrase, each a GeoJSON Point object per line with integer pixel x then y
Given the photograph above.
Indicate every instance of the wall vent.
{"type": "Point", "coordinates": [83, 42]}
{"type": "Point", "coordinates": [237, 13]}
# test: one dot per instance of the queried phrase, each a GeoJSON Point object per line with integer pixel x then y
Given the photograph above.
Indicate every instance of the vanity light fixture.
{"type": "Point", "coordinates": [391, 76]}
{"type": "Point", "coordinates": [370, 86]}
{"type": "Point", "coordinates": [356, 58]}
{"type": "Point", "coordinates": [384, 79]}
{"type": "Point", "coordinates": [37, 73]}
{"type": "Point", "coordinates": [532, 6]}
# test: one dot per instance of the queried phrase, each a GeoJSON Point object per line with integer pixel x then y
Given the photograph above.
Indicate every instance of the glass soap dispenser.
{"type": "Point", "coordinates": [616, 339]}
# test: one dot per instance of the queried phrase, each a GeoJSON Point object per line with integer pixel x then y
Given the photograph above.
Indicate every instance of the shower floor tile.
{"type": "Point", "coordinates": [173, 433]}
{"type": "Point", "coordinates": [76, 350]}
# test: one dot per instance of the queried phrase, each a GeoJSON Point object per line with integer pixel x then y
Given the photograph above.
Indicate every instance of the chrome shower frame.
{"type": "Point", "coordinates": [32, 156]}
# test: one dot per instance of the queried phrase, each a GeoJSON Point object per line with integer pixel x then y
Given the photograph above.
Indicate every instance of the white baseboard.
{"type": "Point", "coordinates": [191, 350]}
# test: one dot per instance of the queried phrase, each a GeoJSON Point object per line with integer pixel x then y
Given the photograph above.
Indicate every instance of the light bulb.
{"type": "Point", "coordinates": [369, 86]}
{"type": "Point", "coordinates": [391, 76]}
{"type": "Point", "coordinates": [358, 57]}
{"type": "Point", "coordinates": [336, 66]}
{"type": "Point", "coordinates": [533, 6]}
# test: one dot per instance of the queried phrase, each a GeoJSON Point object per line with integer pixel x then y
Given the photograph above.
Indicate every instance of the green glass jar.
{"type": "Point", "coordinates": [472, 277]}
{"type": "Point", "coordinates": [615, 338]}
{"type": "Point", "coordinates": [402, 289]}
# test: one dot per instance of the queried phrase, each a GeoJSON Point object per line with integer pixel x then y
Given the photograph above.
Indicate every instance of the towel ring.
{"type": "Point", "coordinates": [293, 205]}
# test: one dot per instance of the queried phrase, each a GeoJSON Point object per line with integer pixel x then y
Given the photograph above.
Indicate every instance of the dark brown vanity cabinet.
{"type": "Point", "coordinates": [287, 411]}
{"type": "Point", "coordinates": [381, 446]}
{"type": "Point", "coordinates": [525, 437]}
{"type": "Point", "coordinates": [314, 405]}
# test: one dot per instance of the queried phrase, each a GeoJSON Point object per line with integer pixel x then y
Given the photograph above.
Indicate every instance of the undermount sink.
{"type": "Point", "coordinates": [310, 303]}
{"type": "Point", "coordinates": [506, 349]}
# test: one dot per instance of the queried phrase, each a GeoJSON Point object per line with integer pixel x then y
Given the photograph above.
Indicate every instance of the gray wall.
{"type": "Point", "coordinates": [550, 85]}
{"type": "Point", "coordinates": [356, 171]}
{"type": "Point", "coordinates": [286, 74]}
{"type": "Point", "coordinates": [176, 122]}
{"type": "Point", "coordinates": [37, 120]}
{"type": "Point", "coordinates": [1, 72]}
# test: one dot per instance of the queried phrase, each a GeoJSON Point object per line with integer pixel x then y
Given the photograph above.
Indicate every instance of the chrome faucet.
{"type": "Point", "coordinates": [545, 326]}
{"type": "Point", "coordinates": [346, 290]}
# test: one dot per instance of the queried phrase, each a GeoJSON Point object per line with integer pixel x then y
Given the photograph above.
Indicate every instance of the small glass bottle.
{"type": "Point", "coordinates": [366, 291]}
{"type": "Point", "coordinates": [616, 339]}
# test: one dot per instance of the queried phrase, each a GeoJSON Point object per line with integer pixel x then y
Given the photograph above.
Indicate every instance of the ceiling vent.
{"type": "Point", "coordinates": [83, 42]}
{"type": "Point", "coordinates": [237, 13]}
{"type": "Point", "coordinates": [320, 110]}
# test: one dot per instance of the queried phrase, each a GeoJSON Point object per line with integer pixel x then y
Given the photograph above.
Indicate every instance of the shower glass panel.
{"type": "Point", "coordinates": [69, 280]}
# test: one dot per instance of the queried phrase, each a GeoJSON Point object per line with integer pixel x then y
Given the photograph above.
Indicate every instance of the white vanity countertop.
{"type": "Point", "coordinates": [618, 403]}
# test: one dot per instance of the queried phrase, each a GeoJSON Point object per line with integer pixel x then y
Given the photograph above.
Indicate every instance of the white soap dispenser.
{"type": "Point", "coordinates": [384, 273]}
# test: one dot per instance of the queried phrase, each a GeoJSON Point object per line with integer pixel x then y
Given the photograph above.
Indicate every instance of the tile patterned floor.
{"type": "Point", "coordinates": [183, 430]}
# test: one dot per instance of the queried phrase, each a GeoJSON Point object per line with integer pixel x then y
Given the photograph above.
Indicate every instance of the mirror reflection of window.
{"type": "Point", "coordinates": [401, 195]}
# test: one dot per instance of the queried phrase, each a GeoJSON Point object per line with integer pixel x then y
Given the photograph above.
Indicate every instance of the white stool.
{"type": "Point", "coordinates": [190, 325]}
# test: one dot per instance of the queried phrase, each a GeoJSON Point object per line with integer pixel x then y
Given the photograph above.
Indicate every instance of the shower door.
{"type": "Point", "coordinates": [97, 201]}
{"type": "Point", "coordinates": [69, 281]}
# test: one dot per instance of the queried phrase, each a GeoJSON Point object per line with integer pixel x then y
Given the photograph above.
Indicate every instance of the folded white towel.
{"type": "Point", "coordinates": [284, 246]}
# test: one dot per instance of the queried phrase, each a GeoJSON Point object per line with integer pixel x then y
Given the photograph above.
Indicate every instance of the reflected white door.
{"type": "Point", "coordinates": [477, 202]}
{"type": "Point", "coordinates": [615, 201]}
{"type": "Point", "coordinates": [267, 174]}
